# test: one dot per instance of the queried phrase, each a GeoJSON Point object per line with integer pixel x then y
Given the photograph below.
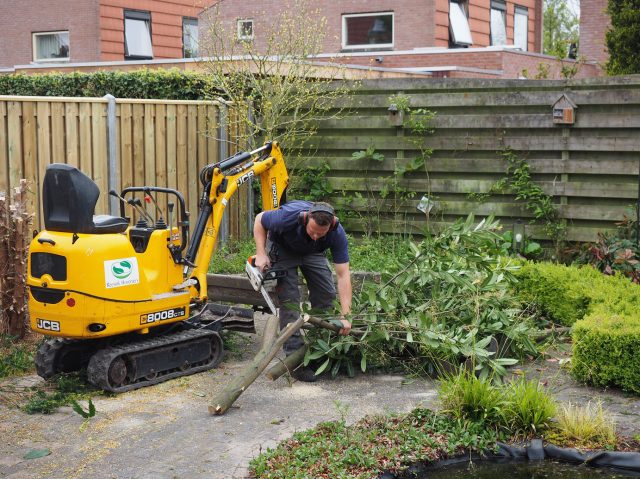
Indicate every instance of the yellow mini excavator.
{"type": "Point", "coordinates": [129, 301]}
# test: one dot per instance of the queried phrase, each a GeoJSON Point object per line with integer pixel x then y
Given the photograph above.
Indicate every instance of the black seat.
{"type": "Point", "coordinates": [69, 200]}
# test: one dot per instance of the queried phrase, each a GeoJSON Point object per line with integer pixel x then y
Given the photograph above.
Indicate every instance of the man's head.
{"type": "Point", "coordinates": [319, 220]}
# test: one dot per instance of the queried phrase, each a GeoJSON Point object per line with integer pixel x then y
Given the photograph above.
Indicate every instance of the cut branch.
{"type": "Point", "coordinates": [223, 401]}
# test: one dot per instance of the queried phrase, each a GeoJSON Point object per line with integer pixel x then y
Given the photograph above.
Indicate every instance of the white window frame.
{"type": "Point", "coordinates": [240, 29]}
{"type": "Point", "coordinates": [190, 21]}
{"type": "Point", "coordinates": [368, 45]}
{"type": "Point", "coordinates": [459, 28]}
{"type": "Point", "coordinates": [521, 12]}
{"type": "Point", "coordinates": [144, 17]}
{"type": "Point", "coordinates": [35, 47]}
{"type": "Point", "coordinates": [500, 7]}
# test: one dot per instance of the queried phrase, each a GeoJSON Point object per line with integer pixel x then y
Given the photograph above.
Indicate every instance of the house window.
{"type": "Point", "coordinates": [137, 35]}
{"type": "Point", "coordinates": [365, 29]}
{"type": "Point", "coordinates": [189, 37]}
{"type": "Point", "coordinates": [245, 30]}
{"type": "Point", "coordinates": [51, 47]}
{"type": "Point", "coordinates": [498, 22]}
{"type": "Point", "coordinates": [521, 28]}
{"type": "Point", "coordinates": [459, 31]}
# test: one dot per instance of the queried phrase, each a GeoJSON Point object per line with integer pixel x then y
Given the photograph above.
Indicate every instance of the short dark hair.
{"type": "Point", "coordinates": [322, 213]}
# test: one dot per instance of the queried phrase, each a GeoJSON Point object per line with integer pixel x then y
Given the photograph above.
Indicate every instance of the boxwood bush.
{"type": "Point", "coordinates": [606, 349]}
{"type": "Point", "coordinates": [604, 312]}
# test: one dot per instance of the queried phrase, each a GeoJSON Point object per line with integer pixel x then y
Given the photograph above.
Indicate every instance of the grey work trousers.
{"type": "Point", "coordinates": [319, 278]}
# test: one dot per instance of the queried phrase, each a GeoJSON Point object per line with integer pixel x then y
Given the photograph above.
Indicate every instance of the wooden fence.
{"type": "Point", "coordinates": [157, 142]}
{"type": "Point", "coordinates": [591, 167]}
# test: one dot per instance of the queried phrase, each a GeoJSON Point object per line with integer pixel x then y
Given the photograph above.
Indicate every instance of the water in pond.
{"type": "Point", "coordinates": [525, 470]}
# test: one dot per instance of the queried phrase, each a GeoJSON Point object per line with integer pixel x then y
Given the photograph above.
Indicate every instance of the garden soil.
{"type": "Point", "coordinates": [165, 431]}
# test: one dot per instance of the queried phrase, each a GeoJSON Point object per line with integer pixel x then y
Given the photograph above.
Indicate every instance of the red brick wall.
{"type": "Point", "coordinates": [20, 18]}
{"type": "Point", "coordinates": [413, 19]}
{"type": "Point", "coordinates": [417, 23]}
{"type": "Point", "coordinates": [594, 22]}
{"type": "Point", "coordinates": [480, 22]}
{"type": "Point", "coordinates": [166, 25]}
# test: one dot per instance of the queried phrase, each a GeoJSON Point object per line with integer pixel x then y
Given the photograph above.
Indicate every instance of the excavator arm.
{"type": "Point", "coordinates": [221, 181]}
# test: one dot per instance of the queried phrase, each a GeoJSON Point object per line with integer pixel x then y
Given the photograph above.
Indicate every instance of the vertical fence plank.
{"type": "Point", "coordinates": [194, 187]}
{"type": "Point", "coordinates": [181, 156]}
{"type": "Point", "coordinates": [32, 167]}
{"type": "Point", "coordinates": [4, 157]}
{"type": "Point", "coordinates": [58, 136]}
{"type": "Point", "coordinates": [161, 154]}
{"type": "Point", "coordinates": [86, 148]}
{"type": "Point", "coordinates": [126, 145]}
{"type": "Point", "coordinates": [72, 135]}
{"type": "Point", "coordinates": [14, 136]}
{"type": "Point", "coordinates": [44, 144]}
{"type": "Point", "coordinates": [139, 165]}
{"type": "Point", "coordinates": [100, 158]}
{"type": "Point", "coordinates": [149, 145]}
{"type": "Point", "coordinates": [172, 171]}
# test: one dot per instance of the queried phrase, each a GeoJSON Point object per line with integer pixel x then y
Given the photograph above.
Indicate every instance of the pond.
{"type": "Point", "coordinates": [525, 470]}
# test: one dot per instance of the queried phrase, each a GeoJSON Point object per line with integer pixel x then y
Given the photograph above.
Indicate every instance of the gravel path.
{"type": "Point", "coordinates": [165, 431]}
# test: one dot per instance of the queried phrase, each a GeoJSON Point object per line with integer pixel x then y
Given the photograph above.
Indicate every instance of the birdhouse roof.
{"type": "Point", "coordinates": [564, 101]}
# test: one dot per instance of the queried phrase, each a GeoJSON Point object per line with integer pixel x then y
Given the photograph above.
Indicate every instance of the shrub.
{"type": "Point", "coordinates": [604, 311]}
{"type": "Point", "coordinates": [605, 349]}
{"type": "Point", "coordinates": [170, 84]}
{"type": "Point", "coordinates": [556, 290]}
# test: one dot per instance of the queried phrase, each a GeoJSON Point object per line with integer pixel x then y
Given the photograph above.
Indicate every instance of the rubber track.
{"type": "Point", "coordinates": [98, 368]}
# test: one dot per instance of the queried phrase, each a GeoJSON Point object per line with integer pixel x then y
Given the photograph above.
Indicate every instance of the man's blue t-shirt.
{"type": "Point", "coordinates": [285, 229]}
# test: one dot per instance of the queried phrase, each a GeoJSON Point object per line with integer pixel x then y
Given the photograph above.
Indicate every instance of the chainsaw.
{"type": "Point", "coordinates": [264, 281]}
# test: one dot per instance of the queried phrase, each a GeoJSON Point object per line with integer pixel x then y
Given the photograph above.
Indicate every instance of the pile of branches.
{"type": "Point", "coordinates": [15, 225]}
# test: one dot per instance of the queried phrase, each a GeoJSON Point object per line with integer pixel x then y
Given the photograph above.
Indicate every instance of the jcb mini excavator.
{"type": "Point", "coordinates": [129, 301]}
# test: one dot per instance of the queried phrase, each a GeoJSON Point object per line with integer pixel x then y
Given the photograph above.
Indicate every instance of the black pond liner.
{"type": "Point", "coordinates": [624, 463]}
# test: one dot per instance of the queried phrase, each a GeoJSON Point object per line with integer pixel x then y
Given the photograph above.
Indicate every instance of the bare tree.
{"type": "Point", "coordinates": [275, 72]}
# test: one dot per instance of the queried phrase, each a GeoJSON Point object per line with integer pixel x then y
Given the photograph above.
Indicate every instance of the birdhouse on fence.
{"type": "Point", "coordinates": [396, 116]}
{"type": "Point", "coordinates": [564, 111]}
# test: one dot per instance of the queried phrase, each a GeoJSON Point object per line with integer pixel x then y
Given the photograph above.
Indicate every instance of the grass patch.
{"type": "Point", "coordinates": [16, 357]}
{"type": "Point", "coordinates": [587, 426]}
{"type": "Point", "coordinates": [371, 446]}
{"type": "Point", "coordinates": [521, 408]}
{"type": "Point", "coordinates": [63, 390]}
{"type": "Point", "coordinates": [382, 253]}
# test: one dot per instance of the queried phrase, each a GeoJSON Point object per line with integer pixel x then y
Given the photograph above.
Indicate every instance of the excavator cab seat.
{"type": "Point", "coordinates": [69, 199]}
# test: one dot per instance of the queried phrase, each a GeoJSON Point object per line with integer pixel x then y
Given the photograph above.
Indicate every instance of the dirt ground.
{"type": "Point", "coordinates": [165, 431]}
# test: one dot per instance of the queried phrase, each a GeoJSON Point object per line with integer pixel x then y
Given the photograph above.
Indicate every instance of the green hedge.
{"type": "Point", "coordinates": [606, 349]}
{"type": "Point", "coordinates": [604, 312]}
{"type": "Point", "coordinates": [171, 84]}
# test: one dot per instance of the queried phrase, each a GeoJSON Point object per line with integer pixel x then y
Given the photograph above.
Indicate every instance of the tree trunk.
{"type": "Point", "coordinates": [15, 223]}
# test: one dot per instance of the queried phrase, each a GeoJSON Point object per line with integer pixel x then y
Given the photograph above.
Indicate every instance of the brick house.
{"type": "Point", "coordinates": [453, 38]}
{"type": "Point", "coordinates": [72, 31]}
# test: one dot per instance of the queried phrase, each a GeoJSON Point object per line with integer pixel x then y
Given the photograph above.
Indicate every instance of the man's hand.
{"type": "Point", "coordinates": [262, 261]}
{"type": "Point", "coordinates": [346, 327]}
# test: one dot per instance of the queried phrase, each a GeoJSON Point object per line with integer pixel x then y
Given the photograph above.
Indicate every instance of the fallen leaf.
{"type": "Point", "coordinates": [36, 453]}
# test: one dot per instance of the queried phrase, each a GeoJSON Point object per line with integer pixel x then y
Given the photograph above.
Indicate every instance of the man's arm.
{"type": "Point", "coordinates": [345, 294]}
{"type": "Point", "coordinates": [260, 237]}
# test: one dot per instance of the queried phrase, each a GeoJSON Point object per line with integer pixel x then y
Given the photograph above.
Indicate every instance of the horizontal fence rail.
{"type": "Point", "coordinates": [157, 143]}
{"type": "Point", "coordinates": [591, 168]}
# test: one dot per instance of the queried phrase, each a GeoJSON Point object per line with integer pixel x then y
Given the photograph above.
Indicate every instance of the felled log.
{"type": "Point", "coordinates": [225, 399]}
{"type": "Point", "coordinates": [287, 364]}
